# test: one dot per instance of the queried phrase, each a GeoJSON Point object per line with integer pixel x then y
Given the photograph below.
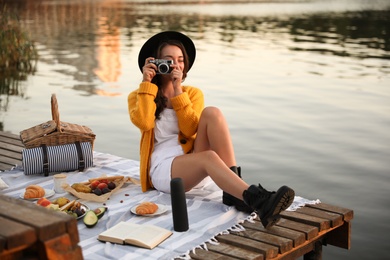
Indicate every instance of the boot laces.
{"type": "Point", "coordinates": [257, 196]}
{"type": "Point", "coordinates": [265, 192]}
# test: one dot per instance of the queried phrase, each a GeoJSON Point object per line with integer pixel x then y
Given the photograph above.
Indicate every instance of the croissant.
{"type": "Point", "coordinates": [146, 208]}
{"type": "Point", "coordinates": [34, 191]}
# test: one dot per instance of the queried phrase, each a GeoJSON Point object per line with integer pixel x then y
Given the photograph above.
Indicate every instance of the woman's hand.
{"type": "Point", "coordinates": [177, 77]}
{"type": "Point", "coordinates": [148, 70]}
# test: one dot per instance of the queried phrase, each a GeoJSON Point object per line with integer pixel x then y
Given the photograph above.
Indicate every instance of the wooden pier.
{"type": "Point", "coordinates": [10, 151]}
{"type": "Point", "coordinates": [41, 235]}
{"type": "Point", "coordinates": [300, 233]}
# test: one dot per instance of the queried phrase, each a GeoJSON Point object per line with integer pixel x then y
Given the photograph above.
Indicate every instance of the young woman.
{"type": "Point", "coordinates": [182, 139]}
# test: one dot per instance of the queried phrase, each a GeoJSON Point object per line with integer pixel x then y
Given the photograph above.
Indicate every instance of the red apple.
{"type": "Point", "coordinates": [40, 200]}
{"type": "Point", "coordinates": [94, 184]}
{"type": "Point", "coordinates": [102, 185]}
{"type": "Point", "coordinates": [104, 181]}
{"type": "Point", "coordinates": [43, 202]}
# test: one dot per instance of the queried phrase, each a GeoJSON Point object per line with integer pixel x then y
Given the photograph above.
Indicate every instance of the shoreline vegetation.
{"type": "Point", "coordinates": [18, 55]}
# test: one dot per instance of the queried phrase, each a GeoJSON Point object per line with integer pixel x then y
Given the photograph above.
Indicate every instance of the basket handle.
{"type": "Point", "coordinates": [54, 112]}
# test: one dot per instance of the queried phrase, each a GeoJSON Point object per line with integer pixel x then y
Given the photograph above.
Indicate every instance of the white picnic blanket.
{"type": "Point", "coordinates": [208, 216]}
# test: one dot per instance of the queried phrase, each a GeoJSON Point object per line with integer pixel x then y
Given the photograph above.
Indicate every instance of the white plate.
{"type": "Point", "coordinates": [48, 194]}
{"type": "Point", "coordinates": [161, 209]}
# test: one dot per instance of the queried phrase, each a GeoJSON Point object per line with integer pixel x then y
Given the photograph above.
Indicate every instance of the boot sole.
{"type": "Point", "coordinates": [271, 221]}
{"type": "Point", "coordinates": [285, 197]}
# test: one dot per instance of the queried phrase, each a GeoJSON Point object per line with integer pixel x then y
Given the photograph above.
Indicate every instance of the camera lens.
{"type": "Point", "coordinates": [163, 68]}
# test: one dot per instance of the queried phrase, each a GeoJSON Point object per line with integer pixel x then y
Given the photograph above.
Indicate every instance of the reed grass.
{"type": "Point", "coordinates": [18, 55]}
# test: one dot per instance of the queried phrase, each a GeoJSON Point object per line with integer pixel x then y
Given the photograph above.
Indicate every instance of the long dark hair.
{"type": "Point", "coordinates": [161, 100]}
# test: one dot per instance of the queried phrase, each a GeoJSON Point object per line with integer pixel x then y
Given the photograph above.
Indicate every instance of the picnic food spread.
{"type": "Point", "coordinates": [63, 204]}
{"type": "Point", "coordinates": [79, 187]}
{"type": "Point", "coordinates": [97, 186]}
{"type": "Point", "coordinates": [34, 191]}
{"type": "Point", "coordinates": [95, 189]}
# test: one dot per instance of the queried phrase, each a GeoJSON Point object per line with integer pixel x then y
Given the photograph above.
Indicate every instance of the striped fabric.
{"type": "Point", "coordinates": [207, 215]}
{"type": "Point", "coordinates": [59, 158]}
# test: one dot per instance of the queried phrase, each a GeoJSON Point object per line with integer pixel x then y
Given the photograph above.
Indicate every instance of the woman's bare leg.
{"type": "Point", "coordinates": [213, 134]}
{"type": "Point", "coordinates": [193, 168]}
{"type": "Point", "coordinates": [267, 204]}
{"type": "Point", "coordinates": [213, 155]}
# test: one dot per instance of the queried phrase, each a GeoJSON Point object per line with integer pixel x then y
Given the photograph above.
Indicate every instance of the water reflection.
{"type": "Point", "coordinates": [86, 37]}
{"type": "Point", "coordinates": [107, 51]}
{"type": "Point", "coordinates": [18, 57]}
{"type": "Point", "coordinates": [356, 34]}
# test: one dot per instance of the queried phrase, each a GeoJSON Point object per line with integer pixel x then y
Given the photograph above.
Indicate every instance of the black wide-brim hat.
{"type": "Point", "coordinates": [150, 46]}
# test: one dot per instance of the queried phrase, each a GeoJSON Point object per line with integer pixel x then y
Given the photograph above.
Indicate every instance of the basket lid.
{"type": "Point", "coordinates": [38, 131]}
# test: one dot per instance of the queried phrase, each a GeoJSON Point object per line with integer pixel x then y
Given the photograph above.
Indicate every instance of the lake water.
{"type": "Point", "coordinates": [304, 85]}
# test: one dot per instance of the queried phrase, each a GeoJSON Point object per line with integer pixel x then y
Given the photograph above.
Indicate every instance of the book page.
{"type": "Point", "coordinates": [116, 234]}
{"type": "Point", "coordinates": [147, 236]}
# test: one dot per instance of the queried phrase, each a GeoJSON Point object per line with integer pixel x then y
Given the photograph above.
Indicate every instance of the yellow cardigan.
{"type": "Point", "coordinates": [141, 105]}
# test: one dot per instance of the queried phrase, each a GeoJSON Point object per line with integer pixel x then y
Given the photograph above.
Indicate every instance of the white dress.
{"type": "Point", "coordinates": [166, 148]}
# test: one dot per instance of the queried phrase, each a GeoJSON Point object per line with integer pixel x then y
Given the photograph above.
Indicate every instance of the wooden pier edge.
{"type": "Point", "coordinates": [43, 234]}
{"type": "Point", "coordinates": [10, 150]}
{"type": "Point", "coordinates": [299, 233]}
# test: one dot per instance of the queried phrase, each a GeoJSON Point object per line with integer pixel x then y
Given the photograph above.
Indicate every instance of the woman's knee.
{"type": "Point", "coordinates": [212, 113]}
{"type": "Point", "coordinates": [210, 156]}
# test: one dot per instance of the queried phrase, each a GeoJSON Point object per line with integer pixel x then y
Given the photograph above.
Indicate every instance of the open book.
{"type": "Point", "coordinates": [147, 236]}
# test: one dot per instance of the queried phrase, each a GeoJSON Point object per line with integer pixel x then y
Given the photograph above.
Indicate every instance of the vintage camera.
{"type": "Point", "coordinates": [163, 66]}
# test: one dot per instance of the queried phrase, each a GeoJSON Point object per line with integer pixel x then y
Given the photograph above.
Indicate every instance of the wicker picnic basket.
{"type": "Point", "coordinates": [55, 132]}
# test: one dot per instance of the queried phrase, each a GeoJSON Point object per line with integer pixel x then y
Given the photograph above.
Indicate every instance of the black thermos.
{"type": "Point", "coordinates": [179, 205]}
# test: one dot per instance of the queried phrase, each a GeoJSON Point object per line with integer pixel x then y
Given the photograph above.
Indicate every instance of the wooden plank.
{"type": "Point", "coordinates": [335, 219]}
{"type": "Point", "coordinates": [267, 250]}
{"type": "Point", "coordinates": [347, 213]}
{"type": "Point", "coordinates": [297, 237]}
{"type": "Point", "coordinates": [9, 161]}
{"type": "Point", "coordinates": [3, 133]}
{"type": "Point", "coordinates": [297, 252]}
{"type": "Point", "coordinates": [16, 234]}
{"type": "Point", "coordinates": [201, 254]}
{"type": "Point", "coordinates": [16, 254]}
{"type": "Point", "coordinates": [3, 243]}
{"type": "Point", "coordinates": [62, 248]}
{"type": "Point", "coordinates": [11, 136]}
{"type": "Point", "coordinates": [321, 223]}
{"type": "Point", "coordinates": [28, 227]}
{"type": "Point", "coordinates": [235, 252]}
{"type": "Point", "coordinates": [11, 147]}
{"type": "Point", "coordinates": [11, 140]}
{"type": "Point", "coordinates": [6, 147]}
{"type": "Point", "coordinates": [48, 224]}
{"type": "Point", "coordinates": [5, 166]}
{"type": "Point", "coordinates": [340, 237]}
{"type": "Point", "coordinates": [284, 244]}
{"type": "Point", "coordinates": [11, 154]}
{"type": "Point", "coordinates": [10, 151]}
{"type": "Point", "coordinates": [309, 231]}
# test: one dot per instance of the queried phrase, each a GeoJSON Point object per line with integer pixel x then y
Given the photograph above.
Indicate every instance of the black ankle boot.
{"type": "Point", "coordinates": [230, 200]}
{"type": "Point", "coordinates": [268, 204]}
